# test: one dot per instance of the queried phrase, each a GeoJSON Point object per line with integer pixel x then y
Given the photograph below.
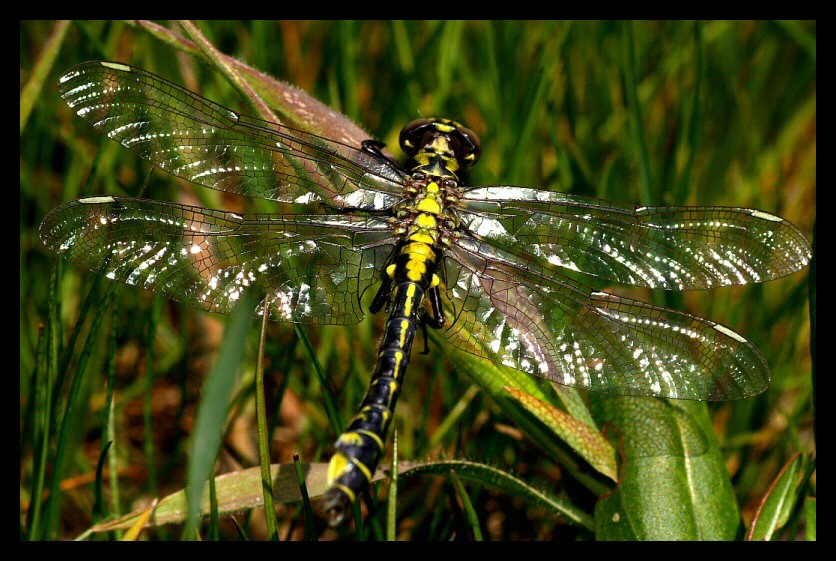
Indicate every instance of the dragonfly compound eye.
{"type": "Point", "coordinates": [469, 147]}
{"type": "Point", "coordinates": [414, 135]}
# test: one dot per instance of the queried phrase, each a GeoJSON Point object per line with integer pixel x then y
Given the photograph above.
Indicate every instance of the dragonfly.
{"type": "Point", "coordinates": [493, 268]}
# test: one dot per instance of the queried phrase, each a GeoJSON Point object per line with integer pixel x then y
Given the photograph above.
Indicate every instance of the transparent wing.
{"type": "Point", "coordinates": [678, 248]}
{"type": "Point", "coordinates": [196, 139]}
{"type": "Point", "coordinates": [537, 321]}
{"type": "Point", "coordinates": [312, 269]}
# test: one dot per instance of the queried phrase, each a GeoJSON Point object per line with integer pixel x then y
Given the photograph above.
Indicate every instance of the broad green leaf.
{"type": "Point", "coordinates": [674, 483]}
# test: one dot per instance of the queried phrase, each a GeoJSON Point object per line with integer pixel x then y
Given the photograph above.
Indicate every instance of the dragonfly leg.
{"type": "Point", "coordinates": [384, 293]}
{"type": "Point", "coordinates": [434, 294]}
{"type": "Point", "coordinates": [434, 320]}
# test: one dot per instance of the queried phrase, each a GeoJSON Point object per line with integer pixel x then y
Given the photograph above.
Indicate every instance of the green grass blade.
{"type": "Point", "coordinates": [70, 421]}
{"type": "Point", "coordinates": [213, 533]}
{"type": "Point", "coordinates": [263, 442]}
{"type": "Point", "coordinates": [330, 401]}
{"type": "Point", "coordinates": [32, 89]}
{"type": "Point", "coordinates": [774, 510]}
{"type": "Point", "coordinates": [109, 422]}
{"type": "Point", "coordinates": [451, 421]}
{"type": "Point", "coordinates": [40, 431]}
{"type": "Point", "coordinates": [392, 499]}
{"type": "Point", "coordinates": [491, 477]}
{"type": "Point", "coordinates": [494, 380]}
{"type": "Point", "coordinates": [98, 504]}
{"type": "Point", "coordinates": [470, 512]}
{"type": "Point", "coordinates": [213, 407]}
{"type": "Point", "coordinates": [636, 126]}
{"type": "Point", "coordinates": [147, 395]}
{"type": "Point", "coordinates": [810, 513]}
{"type": "Point", "coordinates": [307, 510]}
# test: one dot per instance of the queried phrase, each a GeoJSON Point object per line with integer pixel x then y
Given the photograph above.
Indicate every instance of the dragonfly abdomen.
{"type": "Point", "coordinates": [359, 448]}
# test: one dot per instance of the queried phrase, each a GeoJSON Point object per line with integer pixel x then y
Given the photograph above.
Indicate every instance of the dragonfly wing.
{"type": "Point", "coordinates": [537, 321]}
{"type": "Point", "coordinates": [675, 248]}
{"type": "Point", "coordinates": [201, 141]}
{"type": "Point", "coordinates": [312, 269]}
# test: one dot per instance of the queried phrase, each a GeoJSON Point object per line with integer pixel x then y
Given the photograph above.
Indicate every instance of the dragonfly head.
{"type": "Point", "coordinates": [426, 139]}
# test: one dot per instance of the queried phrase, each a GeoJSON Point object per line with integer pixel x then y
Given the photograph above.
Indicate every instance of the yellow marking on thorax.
{"type": "Point", "coordinates": [415, 270]}
{"type": "Point", "coordinates": [422, 237]}
{"type": "Point", "coordinates": [426, 221]}
{"type": "Point", "coordinates": [418, 250]}
{"type": "Point", "coordinates": [428, 205]}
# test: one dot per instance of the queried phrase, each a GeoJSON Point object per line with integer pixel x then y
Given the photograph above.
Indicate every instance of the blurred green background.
{"type": "Point", "coordinates": [727, 115]}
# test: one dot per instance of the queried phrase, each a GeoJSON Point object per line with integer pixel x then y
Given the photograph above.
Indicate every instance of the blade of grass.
{"type": "Point", "coordinates": [69, 421]}
{"type": "Point", "coordinates": [330, 401]}
{"type": "Point", "coordinates": [214, 531]}
{"type": "Point", "coordinates": [307, 510]}
{"type": "Point", "coordinates": [549, 58]}
{"type": "Point", "coordinates": [212, 409]}
{"type": "Point", "coordinates": [98, 502]}
{"type": "Point", "coordinates": [109, 423]}
{"type": "Point", "coordinates": [392, 500]}
{"type": "Point", "coordinates": [774, 509]}
{"type": "Point", "coordinates": [40, 431]}
{"type": "Point", "coordinates": [489, 476]}
{"type": "Point", "coordinates": [147, 395]}
{"type": "Point", "coordinates": [451, 420]}
{"type": "Point", "coordinates": [810, 514]}
{"type": "Point", "coordinates": [406, 61]}
{"type": "Point", "coordinates": [588, 443]}
{"type": "Point", "coordinates": [636, 127]}
{"type": "Point", "coordinates": [347, 31]}
{"type": "Point", "coordinates": [241, 491]}
{"type": "Point", "coordinates": [32, 89]}
{"type": "Point", "coordinates": [694, 120]}
{"type": "Point", "coordinates": [263, 442]}
{"type": "Point", "coordinates": [470, 512]}
{"type": "Point", "coordinates": [448, 52]}
{"type": "Point", "coordinates": [133, 532]}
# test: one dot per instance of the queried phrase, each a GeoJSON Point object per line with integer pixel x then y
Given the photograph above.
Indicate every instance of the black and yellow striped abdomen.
{"type": "Point", "coordinates": [359, 449]}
